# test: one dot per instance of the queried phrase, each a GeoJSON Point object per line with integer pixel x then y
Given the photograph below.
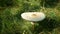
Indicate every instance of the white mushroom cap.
{"type": "Point", "coordinates": [33, 16]}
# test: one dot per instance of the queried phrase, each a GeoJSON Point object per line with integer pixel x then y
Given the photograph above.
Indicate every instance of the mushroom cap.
{"type": "Point", "coordinates": [33, 16]}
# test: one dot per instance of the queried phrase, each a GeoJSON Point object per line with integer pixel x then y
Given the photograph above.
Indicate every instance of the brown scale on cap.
{"type": "Point", "coordinates": [34, 15]}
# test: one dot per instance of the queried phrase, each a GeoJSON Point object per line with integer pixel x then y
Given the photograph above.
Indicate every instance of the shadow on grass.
{"type": "Point", "coordinates": [46, 25]}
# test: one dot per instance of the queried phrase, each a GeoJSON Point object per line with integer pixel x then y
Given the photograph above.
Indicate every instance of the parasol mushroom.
{"type": "Point", "coordinates": [33, 16]}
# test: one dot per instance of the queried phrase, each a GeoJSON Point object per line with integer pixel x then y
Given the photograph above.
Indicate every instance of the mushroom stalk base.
{"type": "Point", "coordinates": [33, 25]}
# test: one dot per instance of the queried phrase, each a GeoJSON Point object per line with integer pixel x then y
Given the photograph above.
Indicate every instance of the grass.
{"type": "Point", "coordinates": [12, 23]}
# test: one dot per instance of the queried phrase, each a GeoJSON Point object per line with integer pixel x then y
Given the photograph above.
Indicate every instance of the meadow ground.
{"type": "Point", "coordinates": [12, 23]}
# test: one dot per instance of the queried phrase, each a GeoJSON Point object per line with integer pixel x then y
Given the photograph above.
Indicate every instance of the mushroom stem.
{"type": "Point", "coordinates": [33, 25]}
